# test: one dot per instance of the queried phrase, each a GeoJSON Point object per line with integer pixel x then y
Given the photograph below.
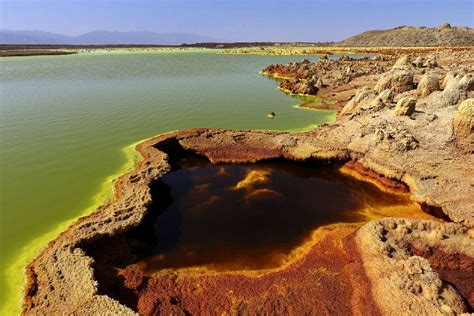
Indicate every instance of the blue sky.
{"type": "Point", "coordinates": [243, 20]}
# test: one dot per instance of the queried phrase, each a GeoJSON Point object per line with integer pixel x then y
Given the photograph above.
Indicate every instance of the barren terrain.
{"type": "Point", "coordinates": [407, 126]}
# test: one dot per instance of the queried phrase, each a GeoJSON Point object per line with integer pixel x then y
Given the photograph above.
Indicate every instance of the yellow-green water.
{"type": "Point", "coordinates": [67, 125]}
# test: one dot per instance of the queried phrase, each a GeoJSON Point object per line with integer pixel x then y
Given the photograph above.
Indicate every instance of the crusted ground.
{"type": "Point", "coordinates": [396, 127]}
{"type": "Point", "coordinates": [394, 263]}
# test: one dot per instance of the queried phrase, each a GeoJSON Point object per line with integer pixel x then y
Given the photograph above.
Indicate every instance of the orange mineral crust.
{"type": "Point", "coordinates": [329, 278]}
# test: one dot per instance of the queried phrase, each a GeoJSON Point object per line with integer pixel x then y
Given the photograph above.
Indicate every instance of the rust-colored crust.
{"type": "Point", "coordinates": [455, 268]}
{"type": "Point", "coordinates": [358, 171]}
{"type": "Point", "coordinates": [330, 278]}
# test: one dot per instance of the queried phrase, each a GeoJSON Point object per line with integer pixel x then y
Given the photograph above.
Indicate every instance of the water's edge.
{"type": "Point", "coordinates": [14, 265]}
{"type": "Point", "coordinates": [14, 274]}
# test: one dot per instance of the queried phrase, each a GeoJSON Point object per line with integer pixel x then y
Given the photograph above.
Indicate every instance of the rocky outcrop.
{"type": "Point", "coordinates": [64, 272]}
{"type": "Point", "coordinates": [456, 88]}
{"type": "Point", "coordinates": [362, 97]}
{"type": "Point", "coordinates": [414, 286]}
{"type": "Point", "coordinates": [427, 85]}
{"type": "Point", "coordinates": [431, 62]}
{"type": "Point", "coordinates": [463, 125]}
{"type": "Point", "coordinates": [309, 78]}
{"type": "Point", "coordinates": [397, 79]}
{"type": "Point", "coordinates": [405, 106]}
{"type": "Point", "coordinates": [418, 62]}
{"type": "Point", "coordinates": [302, 87]}
{"type": "Point", "coordinates": [394, 138]}
{"type": "Point", "coordinates": [367, 101]}
{"type": "Point", "coordinates": [402, 63]}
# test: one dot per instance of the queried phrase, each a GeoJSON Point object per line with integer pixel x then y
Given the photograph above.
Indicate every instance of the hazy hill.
{"type": "Point", "coordinates": [100, 38]}
{"type": "Point", "coordinates": [400, 36]}
{"type": "Point", "coordinates": [444, 34]}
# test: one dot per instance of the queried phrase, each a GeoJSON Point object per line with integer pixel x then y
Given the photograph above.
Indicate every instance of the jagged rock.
{"type": "Point", "coordinates": [398, 80]}
{"type": "Point", "coordinates": [346, 58]}
{"type": "Point", "coordinates": [319, 83]}
{"type": "Point", "coordinates": [418, 62]}
{"type": "Point", "coordinates": [386, 96]}
{"type": "Point", "coordinates": [300, 86]}
{"type": "Point", "coordinates": [394, 138]}
{"type": "Point", "coordinates": [405, 106]}
{"type": "Point", "coordinates": [402, 63]}
{"type": "Point", "coordinates": [310, 87]}
{"type": "Point", "coordinates": [362, 96]}
{"type": "Point", "coordinates": [431, 62]}
{"type": "Point", "coordinates": [467, 82]}
{"type": "Point", "coordinates": [366, 101]}
{"type": "Point", "coordinates": [348, 70]}
{"type": "Point", "coordinates": [463, 125]}
{"type": "Point", "coordinates": [449, 76]}
{"type": "Point", "coordinates": [402, 278]}
{"type": "Point", "coordinates": [456, 88]}
{"type": "Point", "coordinates": [332, 73]}
{"type": "Point", "coordinates": [428, 84]}
{"type": "Point", "coordinates": [374, 105]}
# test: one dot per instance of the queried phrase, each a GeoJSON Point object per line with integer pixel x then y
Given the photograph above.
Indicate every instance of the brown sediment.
{"type": "Point", "coordinates": [327, 259]}
{"type": "Point", "coordinates": [358, 171]}
{"type": "Point", "coordinates": [329, 278]}
{"type": "Point", "coordinates": [455, 268]}
{"type": "Point", "coordinates": [419, 150]}
{"type": "Point", "coordinates": [30, 52]}
{"type": "Point", "coordinates": [436, 211]}
{"type": "Point", "coordinates": [320, 105]}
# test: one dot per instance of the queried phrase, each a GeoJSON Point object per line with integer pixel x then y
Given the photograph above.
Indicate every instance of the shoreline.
{"type": "Point", "coordinates": [186, 136]}
{"type": "Point", "coordinates": [289, 50]}
{"type": "Point", "coordinates": [20, 257]}
{"type": "Point", "coordinates": [377, 167]}
{"type": "Point", "coordinates": [19, 50]}
{"type": "Point", "coordinates": [106, 194]}
{"type": "Point", "coordinates": [311, 102]}
{"type": "Point", "coordinates": [15, 268]}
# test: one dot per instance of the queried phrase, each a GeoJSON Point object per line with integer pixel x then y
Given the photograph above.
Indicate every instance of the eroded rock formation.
{"type": "Point", "coordinates": [326, 75]}
{"type": "Point", "coordinates": [428, 84]}
{"type": "Point", "coordinates": [395, 264]}
{"type": "Point", "coordinates": [463, 125]}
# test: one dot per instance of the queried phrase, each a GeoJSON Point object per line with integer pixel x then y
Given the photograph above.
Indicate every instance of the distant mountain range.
{"type": "Point", "coordinates": [101, 38]}
{"type": "Point", "coordinates": [444, 34]}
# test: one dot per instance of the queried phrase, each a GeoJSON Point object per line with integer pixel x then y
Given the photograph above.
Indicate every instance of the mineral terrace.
{"type": "Point", "coordinates": [403, 123]}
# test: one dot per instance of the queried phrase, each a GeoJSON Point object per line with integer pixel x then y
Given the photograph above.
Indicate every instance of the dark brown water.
{"type": "Point", "coordinates": [233, 217]}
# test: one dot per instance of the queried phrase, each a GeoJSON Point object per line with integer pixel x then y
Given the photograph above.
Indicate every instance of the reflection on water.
{"type": "Point", "coordinates": [234, 217]}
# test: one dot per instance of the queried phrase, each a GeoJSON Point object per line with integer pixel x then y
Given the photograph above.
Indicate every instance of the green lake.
{"type": "Point", "coordinates": [68, 123]}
